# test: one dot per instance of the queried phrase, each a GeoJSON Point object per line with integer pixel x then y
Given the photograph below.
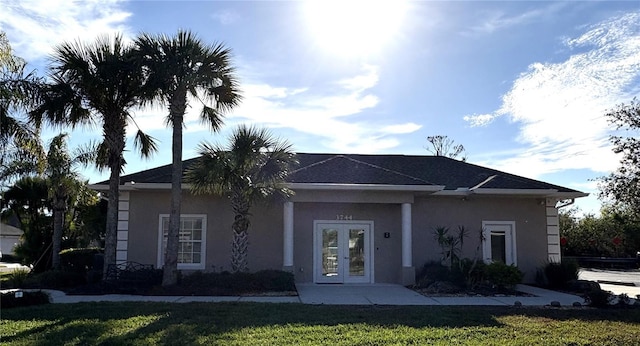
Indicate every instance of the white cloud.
{"type": "Point", "coordinates": [35, 27]}
{"type": "Point", "coordinates": [226, 17]}
{"type": "Point", "coordinates": [498, 20]}
{"type": "Point", "coordinates": [560, 107]}
{"type": "Point", "coordinates": [324, 114]}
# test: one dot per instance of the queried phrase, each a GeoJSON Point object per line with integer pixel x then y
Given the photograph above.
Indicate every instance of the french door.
{"type": "Point", "coordinates": [342, 252]}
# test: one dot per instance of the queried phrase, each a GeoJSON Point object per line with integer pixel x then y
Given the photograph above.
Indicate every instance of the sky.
{"type": "Point", "coordinates": [524, 86]}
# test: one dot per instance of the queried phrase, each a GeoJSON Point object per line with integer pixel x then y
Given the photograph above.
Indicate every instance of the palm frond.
{"type": "Point", "coordinates": [145, 144]}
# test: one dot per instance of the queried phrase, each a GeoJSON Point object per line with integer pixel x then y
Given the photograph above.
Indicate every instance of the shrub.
{"type": "Point", "coordinates": [275, 280]}
{"type": "Point", "coordinates": [55, 279]}
{"type": "Point", "coordinates": [558, 275]}
{"type": "Point", "coordinates": [18, 277]}
{"type": "Point", "coordinates": [9, 300]}
{"type": "Point", "coordinates": [472, 272]}
{"type": "Point", "coordinates": [599, 298]}
{"type": "Point", "coordinates": [80, 260]}
{"type": "Point", "coordinates": [430, 273]}
{"type": "Point", "coordinates": [502, 275]}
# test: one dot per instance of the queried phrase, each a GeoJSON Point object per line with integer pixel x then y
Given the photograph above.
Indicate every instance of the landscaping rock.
{"type": "Point", "coordinates": [577, 304]}
{"type": "Point", "coordinates": [556, 304]}
{"type": "Point", "coordinates": [517, 303]}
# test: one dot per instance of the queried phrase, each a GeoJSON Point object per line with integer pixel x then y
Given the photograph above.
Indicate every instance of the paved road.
{"type": "Point", "coordinates": [616, 281]}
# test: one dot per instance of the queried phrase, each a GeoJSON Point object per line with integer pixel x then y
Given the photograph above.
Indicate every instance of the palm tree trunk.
{"type": "Point", "coordinates": [170, 270]}
{"type": "Point", "coordinates": [58, 225]}
{"type": "Point", "coordinates": [111, 233]}
{"type": "Point", "coordinates": [240, 242]}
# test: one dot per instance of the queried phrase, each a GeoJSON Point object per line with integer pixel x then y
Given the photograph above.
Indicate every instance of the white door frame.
{"type": "Point", "coordinates": [511, 255]}
{"type": "Point", "coordinates": [317, 255]}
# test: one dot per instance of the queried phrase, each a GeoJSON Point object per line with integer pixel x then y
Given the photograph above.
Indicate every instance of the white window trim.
{"type": "Point", "coordinates": [486, 241]}
{"type": "Point", "coordinates": [186, 266]}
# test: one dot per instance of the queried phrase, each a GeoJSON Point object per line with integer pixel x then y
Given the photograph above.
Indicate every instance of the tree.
{"type": "Point", "coordinates": [252, 168]}
{"type": "Point", "coordinates": [99, 82]}
{"type": "Point", "coordinates": [622, 187]}
{"type": "Point", "coordinates": [18, 90]}
{"type": "Point", "coordinates": [28, 204]}
{"type": "Point", "coordinates": [64, 184]}
{"type": "Point", "coordinates": [443, 146]}
{"type": "Point", "coordinates": [178, 67]}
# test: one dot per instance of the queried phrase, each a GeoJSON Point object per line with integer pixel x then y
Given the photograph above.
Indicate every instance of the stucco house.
{"type": "Point", "coordinates": [353, 219]}
{"type": "Point", "coordinates": [9, 238]}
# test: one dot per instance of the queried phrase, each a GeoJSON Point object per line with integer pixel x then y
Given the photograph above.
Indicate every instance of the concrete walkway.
{"type": "Point", "coordinates": [378, 294]}
{"type": "Point", "coordinates": [389, 294]}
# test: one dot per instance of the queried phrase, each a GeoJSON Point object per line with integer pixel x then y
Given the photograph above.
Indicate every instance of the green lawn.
{"type": "Point", "coordinates": [295, 324]}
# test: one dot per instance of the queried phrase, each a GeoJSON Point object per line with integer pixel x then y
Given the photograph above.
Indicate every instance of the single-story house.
{"type": "Point", "coordinates": [353, 219]}
{"type": "Point", "coordinates": [9, 238]}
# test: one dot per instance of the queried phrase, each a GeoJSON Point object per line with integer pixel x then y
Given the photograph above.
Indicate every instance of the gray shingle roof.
{"type": "Point", "coordinates": [382, 170]}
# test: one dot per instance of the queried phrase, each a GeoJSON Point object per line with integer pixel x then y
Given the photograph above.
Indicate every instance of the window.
{"type": "Point", "coordinates": [192, 244]}
{"type": "Point", "coordinates": [499, 242]}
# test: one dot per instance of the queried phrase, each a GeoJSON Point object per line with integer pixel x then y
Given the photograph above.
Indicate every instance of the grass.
{"type": "Point", "coordinates": [296, 324]}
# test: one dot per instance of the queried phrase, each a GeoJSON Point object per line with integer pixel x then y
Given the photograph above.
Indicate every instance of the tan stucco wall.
{"type": "Point", "coordinates": [528, 213]}
{"type": "Point", "coordinates": [266, 232]}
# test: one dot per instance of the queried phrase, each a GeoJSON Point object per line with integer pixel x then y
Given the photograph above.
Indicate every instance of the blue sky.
{"type": "Point", "coordinates": [522, 85]}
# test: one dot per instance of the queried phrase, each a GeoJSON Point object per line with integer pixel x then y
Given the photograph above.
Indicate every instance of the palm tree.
{"type": "Point", "coordinates": [178, 67]}
{"type": "Point", "coordinates": [63, 181]}
{"type": "Point", "coordinates": [18, 90]}
{"type": "Point", "coordinates": [253, 168]}
{"type": "Point", "coordinates": [98, 83]}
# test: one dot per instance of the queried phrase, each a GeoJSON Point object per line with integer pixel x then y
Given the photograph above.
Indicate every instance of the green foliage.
{"type": "Point", "coordinates": [430, 273]}
{"type": "Point", "coordinates": [55, 279]}
{"type": "Point", "coordinates": [18, 277]}
{"type": "Point", "coordinates": [450, 243]}
{"type": "Point", "coordinates": [558, 275]}
{"type": "Point", "coordinates": [622, 187]}
{"type": "Point", "coordinates": [502, 275]}
{"type": "Point", "coordinates": [599, 298]}
{"type": "Point", "coordinates": [9, 300]}
{"type": "Point", "coordinates": [79, 260]}
{"type": "Point", "coordinates": [240, 282]}
{"type": "Point", "coordinates": [612, 234]}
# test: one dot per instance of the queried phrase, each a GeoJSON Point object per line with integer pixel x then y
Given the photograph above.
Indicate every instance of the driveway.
{"type": "Point", "coordinates": [617, 281]}
{"type": "Point", "coordinates": [9, 267]}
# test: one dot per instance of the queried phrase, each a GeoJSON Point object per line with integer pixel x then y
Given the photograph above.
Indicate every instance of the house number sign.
{"type": "Point", "coordinates": [344, 217]}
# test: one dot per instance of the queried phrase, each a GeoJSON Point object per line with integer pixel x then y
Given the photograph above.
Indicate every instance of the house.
{"type": "Point", "coordinates": [353, 219]}
{"type": "Point", "coordinates": [9, 238]}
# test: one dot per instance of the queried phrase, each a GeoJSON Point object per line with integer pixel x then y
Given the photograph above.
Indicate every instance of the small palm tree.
{"type": "Point", "coordinates": [252, 168]}
{"type": "Point", "coordinates": [178, 67]}
{"type": "Point", "coordinates": [63, 181]}
{"type": "Point", "coordinates": [98, 83]}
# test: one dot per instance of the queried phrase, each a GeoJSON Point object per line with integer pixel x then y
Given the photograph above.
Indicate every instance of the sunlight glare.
{"type": "Point", "coordinates": [354, 27]}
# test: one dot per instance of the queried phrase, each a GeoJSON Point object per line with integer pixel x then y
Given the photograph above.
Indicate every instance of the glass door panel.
{"type": "Point", "coordinates": [356, 252]}
{"type": "Point", "coordinates": [330, 256]}
{"type": "Point", "coordinates": [342, 252]}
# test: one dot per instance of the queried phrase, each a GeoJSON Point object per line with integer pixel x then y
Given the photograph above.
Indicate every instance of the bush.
{"type": "Point", "coordinates": [80, 260]}
{"type": "Point", "coordinates": [559, 275]}
{"type": "Point", "coordinates": [18, 277]}
{"type": "Point", "coordinates": [242, 282]}
{"type": "Point", "coordinates": [502, 275]}
{"type": "Point", "coordinates": [599, 298]}
{"type": "Point", "coordinates": [9, 300]}
{"type": "Point", "coordinates": [55, 279]}
{"type": "Point", "coordinates": [430, 273]}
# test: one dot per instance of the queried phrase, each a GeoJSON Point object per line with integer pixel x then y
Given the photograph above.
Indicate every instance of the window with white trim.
{"type": "Point", "coordinates": [499, 242]}
{"type": "Point", "coordinates": [192, 241]}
